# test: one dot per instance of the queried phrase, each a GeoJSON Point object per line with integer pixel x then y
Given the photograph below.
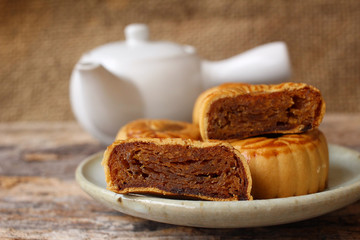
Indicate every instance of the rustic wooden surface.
{"type": "Point", "coordinates": [39, 198]}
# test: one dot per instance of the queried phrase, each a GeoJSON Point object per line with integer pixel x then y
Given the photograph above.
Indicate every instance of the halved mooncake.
{"type": "Point", "coordinates": [237, 111]}
{"type": "Point", "coordinates": [178, 168]}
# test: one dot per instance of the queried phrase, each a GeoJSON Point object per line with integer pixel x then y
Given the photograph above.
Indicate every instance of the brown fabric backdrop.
{"type": "Point", "coordinates": [40, 42]}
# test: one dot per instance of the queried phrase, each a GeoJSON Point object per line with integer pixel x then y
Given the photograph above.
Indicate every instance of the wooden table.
{"type": "Point", "coordinates": [39, 198]}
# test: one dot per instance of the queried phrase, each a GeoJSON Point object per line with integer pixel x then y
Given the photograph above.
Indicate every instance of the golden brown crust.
{"type": "Point", "coordinates": [299, 106]}
{"type": "Point", "coordinates": [177, 167]}
{"type": "Point", "coordinates": [288, 165]}
{"type": "Point", "coordinates": [158, 128]}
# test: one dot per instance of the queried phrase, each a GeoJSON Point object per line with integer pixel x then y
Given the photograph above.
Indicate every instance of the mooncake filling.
{"type": "Point", "coordinates": [260, 113]}
{"type": "Point", "coordinates": [213, 172]}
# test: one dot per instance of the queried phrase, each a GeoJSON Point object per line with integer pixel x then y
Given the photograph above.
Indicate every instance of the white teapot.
{"type": "Point", "coordinates": [123, 81]}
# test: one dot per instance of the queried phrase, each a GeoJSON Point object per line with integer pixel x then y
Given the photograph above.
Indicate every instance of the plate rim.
{"type": "Point", "coordinates": [110, 198]}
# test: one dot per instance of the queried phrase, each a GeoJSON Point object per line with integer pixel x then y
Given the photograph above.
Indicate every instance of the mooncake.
{"type": "Point", "coordinates": [237, 111]}
{"type": "Point", "coordinates": [286, 165]}
{"type": "Point", "coordinates": [158, 128]}
{"type": "Point", "coordinates": [174, 167]}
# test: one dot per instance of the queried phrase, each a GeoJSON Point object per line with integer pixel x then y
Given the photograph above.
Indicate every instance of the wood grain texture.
{"type": "Point", "coordinates": [39, 198]}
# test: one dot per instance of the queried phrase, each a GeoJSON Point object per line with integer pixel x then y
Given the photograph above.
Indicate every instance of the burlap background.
{"type": "Point", "coordinates": [40, 42]}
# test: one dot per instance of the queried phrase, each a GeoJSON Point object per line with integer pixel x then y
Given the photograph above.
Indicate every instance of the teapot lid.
{"type": "Point", "coordinates": [137, 47]}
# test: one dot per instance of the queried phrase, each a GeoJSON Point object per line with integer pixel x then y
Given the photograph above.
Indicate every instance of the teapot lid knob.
{"type": "Point", "coordinates": [136, 33]}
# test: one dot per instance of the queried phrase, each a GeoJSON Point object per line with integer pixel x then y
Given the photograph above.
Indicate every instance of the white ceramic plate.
{"type": "Point", "coordinates": [343, 189]}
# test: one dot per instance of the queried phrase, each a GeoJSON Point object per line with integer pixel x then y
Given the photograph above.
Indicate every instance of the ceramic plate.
{"type": "Point", "coordinates": [343, 189]}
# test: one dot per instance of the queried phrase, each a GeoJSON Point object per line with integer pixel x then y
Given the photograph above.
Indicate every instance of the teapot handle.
{"type": "Point", "coordinates": [268, 63]}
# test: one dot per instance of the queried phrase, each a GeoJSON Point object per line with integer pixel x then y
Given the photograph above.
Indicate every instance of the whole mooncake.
{"type": "Point", "coordinates": [158, 128]}
{"type": "Point", "coordinates": [237, 111]}
{"type": "Point", "coordinates": [286, 165]}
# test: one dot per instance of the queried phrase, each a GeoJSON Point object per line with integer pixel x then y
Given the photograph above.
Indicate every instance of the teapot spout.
{"type": "Point", "coordinates": [101, 101]}
{"type": "Point", "coordinates": [268, 63]}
